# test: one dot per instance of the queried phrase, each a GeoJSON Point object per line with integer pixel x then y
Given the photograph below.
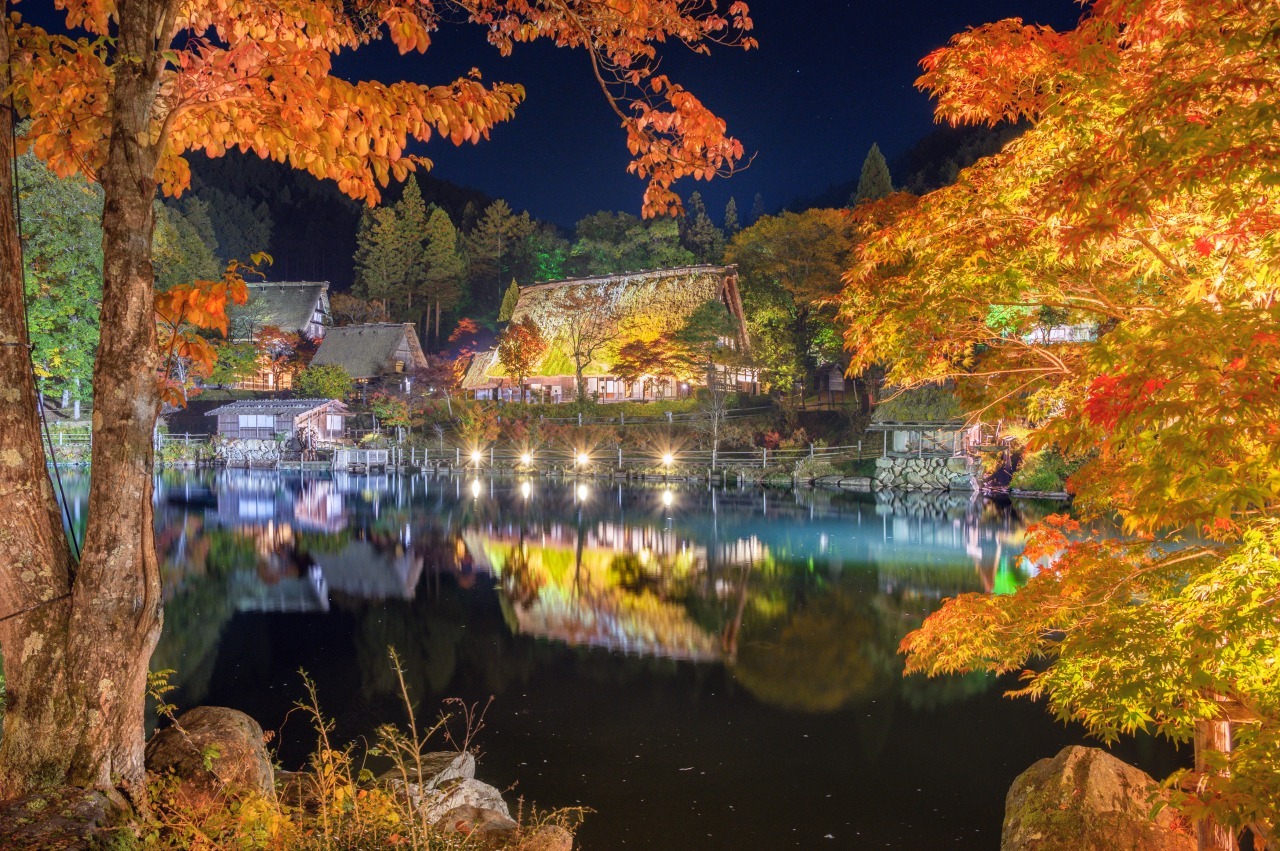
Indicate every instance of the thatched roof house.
{"type": "Point", "coordinates": [296, 307]}
{"type": "Point", "coordinates": [642, 305]}
{"type": "Point", "coordinates": [372, 351]}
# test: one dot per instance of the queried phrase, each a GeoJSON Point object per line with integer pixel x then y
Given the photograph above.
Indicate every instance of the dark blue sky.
{"type": "Point", "coordinates": [829, 79]}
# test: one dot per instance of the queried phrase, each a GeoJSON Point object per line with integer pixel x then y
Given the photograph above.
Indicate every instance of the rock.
{"type": "Point", "coordinates": [62, 819]}
{"type": "Point", "coordinates": [884, 462]}
{"type": "Point", "coordinates": [1084, 799]}
{"type": "Point", "coordinates": [228, 741]}
{"type": "Point", "coordinates": [485, 826]}
{"type": "Point", "coordinates": [467, 792]}
{"type": "Point", "coordinates": [958, 464]}
{"type": "Point", "coordinates": [439, 768]}
{"type": "Point", "coordinates": [549, 837]}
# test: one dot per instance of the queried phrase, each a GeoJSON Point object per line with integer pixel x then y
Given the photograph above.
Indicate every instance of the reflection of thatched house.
{"type": "Point", "coordinates": [642, 305]}
{"type": "Point", "coordinates": [373, 351]}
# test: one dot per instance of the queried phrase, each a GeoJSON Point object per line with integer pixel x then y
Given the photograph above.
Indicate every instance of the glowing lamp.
{"type": "Point", "coordinates": [668, 460]}
{"type": "Point", "coordinates": [583, 459]}
{"type": "Point", "coordinates": [526, 459]}
{"type": "Point", "coordinates": [476, 456]}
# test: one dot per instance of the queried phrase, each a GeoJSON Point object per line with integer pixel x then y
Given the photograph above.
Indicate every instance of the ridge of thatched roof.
{"type": "Point", "coordinates": [649, 304]}
{"type": "Point", "coordinates": [368, 351]}
{"type": "Point", "coordinates": [276, 407]}
{"type": "Point", "coordinates": [927, 404]}
{"type": "Point", "coordinates": [287, 305]}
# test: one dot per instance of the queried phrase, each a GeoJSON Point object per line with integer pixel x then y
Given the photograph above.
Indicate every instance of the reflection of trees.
{"type": "Point", "coordinates": [825, 654]}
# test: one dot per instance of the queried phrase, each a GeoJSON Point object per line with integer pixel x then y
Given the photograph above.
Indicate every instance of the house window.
{"type": "Point", "coordinates": [399, 366]}
{"type": "Point", "coordinates": [257, 421]}
{"type": "Point", "coordinates": [335, 423]}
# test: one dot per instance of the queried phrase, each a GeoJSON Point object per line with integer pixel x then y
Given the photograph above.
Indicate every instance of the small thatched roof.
{"type": "Point", "coordinates": [368, 351]}
{"type": "Point", "coordinates": [928, 405]}
{"type": "Point", "coordinates": [288, 305]}
{"type": "Point", "coordinates": [278, 407]}
{"type": "Point", "coordinates": [647, 304]}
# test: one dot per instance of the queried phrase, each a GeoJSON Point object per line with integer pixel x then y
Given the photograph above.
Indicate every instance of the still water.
{"type": "Point", "coordinates": [702, 668]}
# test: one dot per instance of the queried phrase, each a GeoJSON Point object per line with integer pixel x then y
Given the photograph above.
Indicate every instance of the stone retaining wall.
{"type": "Point", "coordinates": [242, 453]}
{"type": "Point", "coordinates": [926, 474]}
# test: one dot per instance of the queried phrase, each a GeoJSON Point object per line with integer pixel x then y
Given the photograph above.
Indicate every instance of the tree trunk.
{"type": "Point", "coordinates": [1213, 736]}
{"type": "Point", "coordinates": [92, 717]}
{"type": "Point", "coordinates": [36, 563]}
{"type": "Point", "coordinates": [438, 346]}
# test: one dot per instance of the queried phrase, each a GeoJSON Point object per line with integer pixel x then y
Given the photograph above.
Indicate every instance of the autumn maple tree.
{"type": "Point", "coordinates": [135, 86]}
{"type": "Point", "coordinates": [520, 349]}
{"type": "Point", "coordinates": [1141, 208]}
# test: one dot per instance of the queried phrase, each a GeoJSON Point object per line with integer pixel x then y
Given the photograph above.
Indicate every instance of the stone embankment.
{"type": "Point", "coordinates": [927, 474]}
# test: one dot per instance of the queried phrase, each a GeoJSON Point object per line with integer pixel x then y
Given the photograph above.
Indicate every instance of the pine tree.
{"type": "Point", "coordinates": [698, 234]}
{"type": "Point", "coordinates": [411, 232]}
{"type": "Point", "coordinates": [731, 223]}
{"type": "Point", "coordinates": [443, 266]}
{"type": "Point", "coordinates": [757, 209]}
{"type": "Point", "coordinates": [493, 246]}
{"type": "Point", "coordinates": [509, 302]}
{"type": "Point", "coordinates": [874, 183]}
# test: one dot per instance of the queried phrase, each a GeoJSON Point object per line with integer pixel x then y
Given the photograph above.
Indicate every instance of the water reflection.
{"type": "Point", "coordinates": [803, 597]}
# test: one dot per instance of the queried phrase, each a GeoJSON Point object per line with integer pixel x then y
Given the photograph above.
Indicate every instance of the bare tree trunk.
{"type": "Point", "coordinates": [35, 562]}
{"type": "Point", "coordinates": [438, 323]}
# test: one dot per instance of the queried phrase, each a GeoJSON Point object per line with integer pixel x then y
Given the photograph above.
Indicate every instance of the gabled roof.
{"type": "Point", "coordinates": [277, 407]}
{"type": "Point", "coordinates": [649, 304]}
{"type": "Point", "coordinates": [367, 351]}
{"type": "Point", "coordinates": [288, 305]}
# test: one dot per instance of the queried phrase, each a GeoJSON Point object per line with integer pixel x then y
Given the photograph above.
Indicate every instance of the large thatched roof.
{"type": "Point", "coordinates": [645, 304]}
{"type": "Point", "coordinates": [288, 305]}
{"type": "Point", "coordinates": [368, 351]}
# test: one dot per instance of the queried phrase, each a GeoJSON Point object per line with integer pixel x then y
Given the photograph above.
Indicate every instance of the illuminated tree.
{"type": "Point", "coordinates": [520, 348]}
{"type": "Point", "coordinates": [1140, 206]}
{"type": "Point", "coordinates": [152, 80]}
{"type": "Point", "coordinates": [874, 182]}
{"type": "Point", "coordinates": [591, 325]}
{"type": "Point", "coordinates": [509, 300]}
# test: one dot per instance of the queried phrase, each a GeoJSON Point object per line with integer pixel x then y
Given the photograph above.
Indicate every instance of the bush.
{"type": "Point", "coordinates": [323, 381]}
{"type": "Point", "coordinates": [1045, 471]}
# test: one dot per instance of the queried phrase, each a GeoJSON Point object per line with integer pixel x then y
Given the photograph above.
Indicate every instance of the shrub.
{"type": "Point", "coordinates": [1045, 471]}
{"type": "Point", "coordinates": [323, 381]}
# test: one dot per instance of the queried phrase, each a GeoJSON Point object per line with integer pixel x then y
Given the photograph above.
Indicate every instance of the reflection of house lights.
{"type": "Point", "coordinates": [583, 493]}
{"type": "Point", "coordinates": [644, 556]}
{"type": "Point", "coordinates": [525, 490]}
{"type": "Point", "coordinates": [475, 488]}
{"type": "Point", "coordinates": [668, 498]}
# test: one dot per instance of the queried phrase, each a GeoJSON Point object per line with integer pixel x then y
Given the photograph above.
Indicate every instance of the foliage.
{"type": "Point", "coordinates": [698, 234]}
{"type": "Point", "coordinates": [611, 243]}
{"type": "Point", "coordinates": [874, 182]}
{"type": "Point", "coordinates": [184, 314]}
{"type": "Point", "coordinates": [1045, 470]}
{"type": "Point", "coordinates": [441, 265]}
{"type": "Point", "coordinates": [323, 381]}
{"type": "Point", "coordinates": [509, 300]}
{"type": "Point", "coordinates": [347, 309]}
{"type": "Point", "coordinates": [178, 251]}
{"type": "Point", "coordinates": [1142, 200]}
{"type": "Point", "coordinates": [520, 348]}
{"type": "Point", "coordinates": [282, 353]}
{"type": "Point", "coordinates": [236, 361]}
{"type": "Point", "coordinates": [497, 249]}
{"type": "Point", "coordinates": [927, 404]}
{"type": "Point", "coordinates": [731, 222]}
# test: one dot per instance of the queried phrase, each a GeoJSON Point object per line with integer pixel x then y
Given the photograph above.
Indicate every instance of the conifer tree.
{"type": "Point", "coordinates": [509, 302]}
{"type": "Point", "coordinates": [757, 209]}
{"type": "Point", "coordinates": [698, 234]}
{"type": "Point", "coordinates": [874, 182]}
{"type": "Point", "coordinates": [731, 223]}
{"type": "Point", "coordinates": [442, 266]}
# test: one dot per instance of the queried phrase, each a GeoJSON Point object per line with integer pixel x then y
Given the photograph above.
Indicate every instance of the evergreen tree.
{"type": "Point", "coordinates": [509, 302]}
{"type": "Point", "coordinates": [411, 235]}
{"type": "Point", "coordinates": [179, 254]}
{"type": "Point", "coordinates": [731, 223]}
{"type": "Point", "coordinates": [494, 245]}
{"type": "Point", "coordinates": [241, 228]}
{"type": "Point", "coordinates": [698, 234]}
{"type": "Point", "coordinates": [442, 266]}
{"type": "Point", "coordinates": [874, 183]}
{"type": "Point", "coordinates": [757, 209]}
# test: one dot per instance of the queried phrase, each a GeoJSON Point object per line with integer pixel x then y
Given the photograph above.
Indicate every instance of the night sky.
{"type": "Point", "coordinates": [829, 79]}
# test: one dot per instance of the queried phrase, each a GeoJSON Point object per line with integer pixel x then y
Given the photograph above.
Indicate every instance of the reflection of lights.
{"type": "Point", "coordinates": [667, 498]}
{"type": "Point", "coordinates": [583, 459]}
{"type": "Point", "coordinates": [644, 556]}
{"type": "Point", "coordinates": [583, 492]}
{"type": "Point", "coordinates": [475, 488]}
{"type": "Point", "coordinates": [525, 489]}
{"type": "Point", "coordinates": [668, 460]}
{"type": "Point", "coordinates": [526, 459]}
{"type": "Point", "coordinates": [476, 456]}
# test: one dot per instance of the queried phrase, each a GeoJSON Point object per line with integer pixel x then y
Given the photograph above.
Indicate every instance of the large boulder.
{"type": "Point", "coordinates": [1084, 799]}
{"type": "Point", "coordinates": [463, 793]}
{"type": "Point", "coordinates": [210, 748]}
{"type": "Point", "coordinates": [438, 769]}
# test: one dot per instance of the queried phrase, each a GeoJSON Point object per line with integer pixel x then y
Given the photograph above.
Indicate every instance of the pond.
{"type": "Point", "coordinates": [702, 668]}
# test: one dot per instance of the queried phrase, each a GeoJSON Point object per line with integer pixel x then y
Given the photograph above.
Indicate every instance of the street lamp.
{"type": "Point", "coordinates": [583, 459]}
{"type": "Point", "coordinates": [668, 459]}
{"type": "Point", "coordinates": [526, 459]}
{"type": "Point", "coordinates": [476, 457]}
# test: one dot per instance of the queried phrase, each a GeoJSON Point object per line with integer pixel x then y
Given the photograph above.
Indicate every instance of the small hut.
{"type": "Point", "coordinates": [310, 421]}
{"type": "Point", "coordinates": [373, 351]}
{"type": "Point", "coordinates": [924, 421]}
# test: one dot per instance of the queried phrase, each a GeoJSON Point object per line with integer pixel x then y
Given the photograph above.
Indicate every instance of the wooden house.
{"type": "Point", "coordinates": [309, 421]}
{"type": "Point", "coordinates": [295, 307]}
{"type": "Point", "coordinates": [374, 351]}
{"type": "Point", "coordinates": [643, 305]}
{"type": "Point", "coordinates": [924, 421]}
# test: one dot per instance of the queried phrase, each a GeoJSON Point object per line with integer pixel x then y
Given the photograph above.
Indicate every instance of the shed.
{"type": "Point", "coordinates": [309, 420]}
{"type": "Point", "coordinates": [925, 420]}
{"type": "Point", "coordinates": [372, 351]}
